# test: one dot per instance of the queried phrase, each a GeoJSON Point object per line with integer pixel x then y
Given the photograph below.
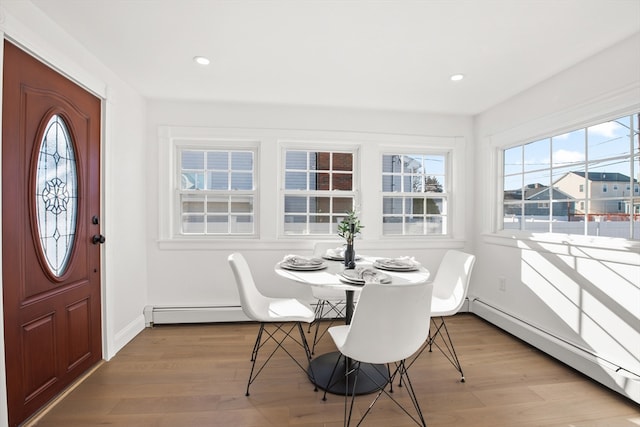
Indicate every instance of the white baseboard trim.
{"type": "Point", "coordinates": [125, 335]}
{"type": "Point", "coordinates": [205, 314]}
{"type": "Point", "coordinates": [600, 370]}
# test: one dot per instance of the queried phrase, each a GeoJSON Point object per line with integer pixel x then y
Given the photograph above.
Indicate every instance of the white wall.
{"type": "Point", "coordinates": [124, 187]}
{"type": "Point", "coordinates": [197, 274]}
{"type": "Point", "coordinates": [581, 291]}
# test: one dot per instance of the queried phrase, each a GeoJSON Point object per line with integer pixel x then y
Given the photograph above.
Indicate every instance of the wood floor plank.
{"type": "Point", "coordinates": [195, 375]}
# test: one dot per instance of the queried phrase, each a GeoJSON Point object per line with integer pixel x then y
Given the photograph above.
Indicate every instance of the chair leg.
{"type": "Point", "coordinates": [261, 340]}
{"type": "Point", "coordinates": [449, 350]}
{"type": "Point", "coordinates": [333, 308]}
{"type": "Point", "coordinates": [400, 370]}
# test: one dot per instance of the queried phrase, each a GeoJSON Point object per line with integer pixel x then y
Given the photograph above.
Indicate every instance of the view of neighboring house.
{"type": "Point", "coordinates": [602, 189]}
{"type": "Point", "coordinates": [536, 198]}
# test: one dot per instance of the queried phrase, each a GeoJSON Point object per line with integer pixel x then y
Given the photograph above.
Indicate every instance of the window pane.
{"type": "Point", "coordinates": [343, 162]}
{"type": "Point", "coordinates": [192, 204]}
{"type": "Point", "coordinates": [391, 183]}
{"type": "Point", "coordinates": [513, 161]}
{"type": "Point", "coordinates": [217, 224]}
{"type": "Point", "coordinates": [218, 181]}
{"type": "Point", "coordinates": [319, 205]}
{"type": "Point", "coordinates": [342, 205]}
{"type": "Point", "coordinates": [193, 224]}
{"type": "Point", "coordinates": [218, 160]}
{"type": "Point", "coordinates": [568, 149]}
{"type": "Point", "coordinates": [536, 155]}
{"type": "Point", "coordinates": [609, 139]}
{"type": "Point", "coordinates": [192, 181]}
{"type": "Point", "coordinates": [295, 224]}
{"type": "Point", "coordinates": [318, 181]}
{"type": "Point", "coordinates": [293, 204]}
{"type": "Point", "coordinates": [241, 204]}
{"type": "Point", "coordinates": [392, 225]}
{"type": "Point", "coordinates": [296, 160]}
{"type": "Point", "coordinates": [342, 181]}
{"type": "Point", "coordinates": [415, 225]}
{"type": "Point", "coordinates": [295, 181]}
{"type": "Point", "coordinates": [217, 205]}
{"type": "Point", "coordinates": [416, 206]}
{"type": "Point", "coordinates": [392, 205]}
{"type": "Point", "coordinates": [436, 225]}
{"type": "Point", "coordinates": [434, 165]}
{"type": "Point", "coordinates": [193, 160]}
{"type": "Point", "coordinates": [241, 181]}
{"type": "Point", "coordinates": [242, 161]}
{"type": "Point", "coordinates": [435, 206]}
{"type": "Point", "coordinates": [241, 224]}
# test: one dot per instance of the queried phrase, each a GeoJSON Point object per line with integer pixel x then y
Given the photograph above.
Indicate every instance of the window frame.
{"type": "Point", "coordinates": [446, 194]}
{"type": "Point", "coordinates": [633, 157]}
{"type": "Point", "coordinates": [316, 147]}
{"type": "Point", "coordinates": [171, 225]}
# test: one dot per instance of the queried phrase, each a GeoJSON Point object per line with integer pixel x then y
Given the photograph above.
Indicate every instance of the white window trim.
{"type": "Point", "coordinates": [616, 104]}
{"type": "Point", "coordinates": [172, 141]}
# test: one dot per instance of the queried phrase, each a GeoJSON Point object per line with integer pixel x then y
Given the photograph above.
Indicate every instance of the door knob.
{"type": "Point", "coordinates": [98, 238]}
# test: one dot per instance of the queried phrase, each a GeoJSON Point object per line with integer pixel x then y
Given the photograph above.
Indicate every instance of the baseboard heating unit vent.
{"type": "Point", "coordinates": [208, 314]}
{"type": "Point", "coordinates": [610, 375]}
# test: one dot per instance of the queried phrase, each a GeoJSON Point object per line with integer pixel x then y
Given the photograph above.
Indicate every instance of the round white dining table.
{"type": "Point", "coordinates": [322, 368]}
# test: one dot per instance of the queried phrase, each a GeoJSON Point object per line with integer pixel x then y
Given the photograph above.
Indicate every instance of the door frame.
{"type": "Point", "coordinates": [49, 55]}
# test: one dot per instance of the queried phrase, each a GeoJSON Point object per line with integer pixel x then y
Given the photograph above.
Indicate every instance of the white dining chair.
{"type": "Point", "coordinates": [278, 318]}
{"type": "Point", "coordinates": [329, 303]}
{"type": "Point", "coordinates": [387, 327]}
{"type": "Point", "coordinates": [450, 287]}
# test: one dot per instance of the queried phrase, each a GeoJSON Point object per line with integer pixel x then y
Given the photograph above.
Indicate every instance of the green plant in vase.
{"type": "Point", "coordinates": [348, 229]}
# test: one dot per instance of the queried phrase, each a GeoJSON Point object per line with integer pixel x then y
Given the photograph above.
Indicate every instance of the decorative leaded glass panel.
{"type": "Point", "coordinates": [56, 195]}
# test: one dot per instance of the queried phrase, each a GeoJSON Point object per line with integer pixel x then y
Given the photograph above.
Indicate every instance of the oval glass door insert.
{"type": "Point", "coordinates": [56, 195]}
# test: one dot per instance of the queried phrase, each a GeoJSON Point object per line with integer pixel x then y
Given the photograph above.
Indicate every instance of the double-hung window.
{"type": "Point", "coordinates": [414, 194]}
{"type": "Point", "coordinates": [217, 192]}
{"type": "Point", "coordinates": [319, 188]}
{"type": "Point", "coordinates": [574, 173]}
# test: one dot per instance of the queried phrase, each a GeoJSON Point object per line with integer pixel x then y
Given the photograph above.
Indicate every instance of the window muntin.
{"type": "Point", "coordinates": [217, 192]}
{"type": "Point", "coordinates": [575, 173]}
{"type": "Point", "coordinates": [414, 194]}
{"type": "Point", "coordinates": [318, 190]}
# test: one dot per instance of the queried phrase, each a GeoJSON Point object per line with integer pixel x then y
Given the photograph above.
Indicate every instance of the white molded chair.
{"type": "Point", "coordinates": [387, 327]}
{"type": "Point", "coordinates": [284, 314]}
{"type": "Point", "coordinates": [330, 303]}
{"type": "Point", "coordinates": [450, 288]}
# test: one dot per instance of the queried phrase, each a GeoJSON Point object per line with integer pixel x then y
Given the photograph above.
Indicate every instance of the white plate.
{"type": "Point", "coordinates": [308, 267]}
{"type": "Point", "coordinates": [391, 264]}
{"type": "Point", "coordinates": [362, 275]}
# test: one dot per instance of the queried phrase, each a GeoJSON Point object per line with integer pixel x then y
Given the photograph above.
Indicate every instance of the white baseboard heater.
{"type": "Point", "coordinates": [205, 314]}
{"type": "Point", "coordinates": [615, 377]}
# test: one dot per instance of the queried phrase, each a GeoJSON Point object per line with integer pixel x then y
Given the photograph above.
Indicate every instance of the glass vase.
{"type": "Point", "coordinates": [349, 256]}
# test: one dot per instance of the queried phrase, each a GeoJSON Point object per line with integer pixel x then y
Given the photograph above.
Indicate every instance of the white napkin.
{"type": "Point", "coordinates": [301, 260]}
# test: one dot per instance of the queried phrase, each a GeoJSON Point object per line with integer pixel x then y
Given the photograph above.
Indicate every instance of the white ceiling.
{"type": "Point", "coordinates": [391, 55]}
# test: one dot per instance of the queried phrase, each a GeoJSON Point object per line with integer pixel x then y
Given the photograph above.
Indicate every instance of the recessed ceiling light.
{"type": "Point", "coordinates": [457, 77]}
{"type": "Point", "coordinates": [201, 60]}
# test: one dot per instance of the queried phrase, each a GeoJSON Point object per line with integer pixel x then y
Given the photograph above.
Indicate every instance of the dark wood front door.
{"type": "Point", "coordinates": [50, 215]}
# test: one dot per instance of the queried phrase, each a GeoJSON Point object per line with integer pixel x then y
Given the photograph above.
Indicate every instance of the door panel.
{"type": "Point", "coordinates": [51, 268]}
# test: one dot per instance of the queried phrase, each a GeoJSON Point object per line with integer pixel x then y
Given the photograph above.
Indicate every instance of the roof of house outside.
{"type": "Point", "coordinates": [605, 176]}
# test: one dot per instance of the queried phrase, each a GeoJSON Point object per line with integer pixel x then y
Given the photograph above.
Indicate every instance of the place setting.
{"type": "Point", "coordinates": [397, 264]}
{"type": "Point", "coordinates": [302, 263]}
{"type": "Point", "coordinates": [363, 275]}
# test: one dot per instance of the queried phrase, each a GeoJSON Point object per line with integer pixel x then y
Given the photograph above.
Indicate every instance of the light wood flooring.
{"type": "Point", "coordinates": [195, 375]}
